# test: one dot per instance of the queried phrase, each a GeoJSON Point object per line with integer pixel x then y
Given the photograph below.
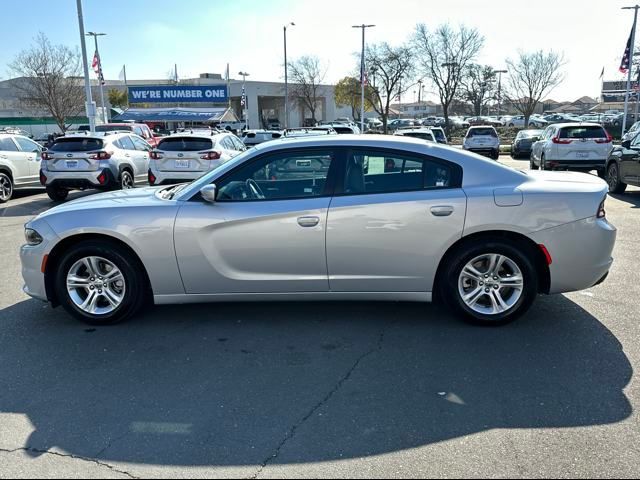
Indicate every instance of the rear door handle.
{"type": "Point", "coordinates": [308, 221]}
{"type": "Point", "coordinates": [442, 211]}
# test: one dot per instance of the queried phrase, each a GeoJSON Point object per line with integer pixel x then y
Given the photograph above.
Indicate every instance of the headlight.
{"type": "Point", "coordinates": [32, 237]}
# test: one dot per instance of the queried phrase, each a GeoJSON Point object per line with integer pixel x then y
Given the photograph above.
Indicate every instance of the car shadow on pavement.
{"type": "Point", "coordinates": [17, 208]}
{"type": "Point", "coordinates": [631, 197]}
{"type": "Point", "coordinates": [281, 383]}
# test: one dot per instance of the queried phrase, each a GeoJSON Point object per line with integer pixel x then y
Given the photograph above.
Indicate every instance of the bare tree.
{"type": "Point", "coordinates": [49, 80]}
{"type": "Point", "coordinates": [478, 87]}
{"type": "Point", "coordinates": [387, 66]}
{"type": "Point", "coordinates": [531, 77]}
{"type": "Point", "coordinates": [307, 73]}
{"type": "Point", "coordinates": [445, 55]}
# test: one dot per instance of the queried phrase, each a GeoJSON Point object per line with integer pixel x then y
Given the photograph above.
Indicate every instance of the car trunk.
{"type": "Point", "coordinates": [582, 143]}
{"type": "Point", "coordinates": [184, 154]}
{"type": "Point", "coordinates": [73, 155]}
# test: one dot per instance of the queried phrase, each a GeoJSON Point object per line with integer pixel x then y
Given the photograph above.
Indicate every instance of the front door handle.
{"type": "Point", "coordinates": [442, 211]}
{"type": "Point", "coordinates": [308, 221]}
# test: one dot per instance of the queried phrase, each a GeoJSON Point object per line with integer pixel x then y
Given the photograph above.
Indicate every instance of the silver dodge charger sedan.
{"type": "Point", "coordinates": [369, 218]}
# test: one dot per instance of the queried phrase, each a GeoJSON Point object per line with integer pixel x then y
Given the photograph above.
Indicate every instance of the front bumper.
{"type": "Point", "coordinates": [581, 253]}
{"type": "Point", "coordinates": [78, 180]}
{"type": "Point", "coordinates": [31, 258]}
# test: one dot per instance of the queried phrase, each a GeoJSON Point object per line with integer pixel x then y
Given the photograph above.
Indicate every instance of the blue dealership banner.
{"type": "Point", "coordinates": [179, 94]}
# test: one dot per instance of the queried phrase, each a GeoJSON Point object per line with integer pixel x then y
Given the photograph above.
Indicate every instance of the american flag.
{"type": "Point", "coordinates": [625, 64]}
{"type": "Point", "coordinates": [97, 67]}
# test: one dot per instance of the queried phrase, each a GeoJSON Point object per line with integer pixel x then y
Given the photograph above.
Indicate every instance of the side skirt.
{"type": "Point", "coordinates": [296, 297]}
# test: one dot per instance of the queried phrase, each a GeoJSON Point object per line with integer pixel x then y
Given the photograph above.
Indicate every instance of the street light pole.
{"type": "Point", "coordinates": [286, 78]}
{"type": "Point", "coordinates": [631, 51]}
{"type": "Point", "coordinates": [363, 27]}
{"type": "Point", "coordinates": [95, 37]}
{"type": "Point", "coordinates": [499, 72]}
{"type": "Point", "coordinates": [91, 112]}
{"type": "Point", "coordinates": [244, 99]}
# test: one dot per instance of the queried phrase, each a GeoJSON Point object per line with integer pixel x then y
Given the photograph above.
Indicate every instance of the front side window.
{"type": "Point", "coordinates": [27, 145]}
{"type": "Point", "coordinates": [381, 172]}
{"type": "Point", "coordinates": [279, 176]}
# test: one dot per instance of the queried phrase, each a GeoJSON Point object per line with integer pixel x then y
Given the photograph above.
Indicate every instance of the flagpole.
{"type": "Point", "coordinates": [100, 73]}
{"type": "Point", "coordinates": [630, 66]}
{"type": "Point", "coordinates": [124, 74]}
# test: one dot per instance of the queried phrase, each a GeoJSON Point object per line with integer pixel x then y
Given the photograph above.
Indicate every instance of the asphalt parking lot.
{"type": "Point", "coordinates": [323, 390]}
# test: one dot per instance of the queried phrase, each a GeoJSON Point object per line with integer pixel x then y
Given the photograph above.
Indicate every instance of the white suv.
{"type": "Point", "coordinates": [572, 146]}
{"type": "Point", "coordinates": [19, 164]}
{"type": "Point", "coordinates": [104, 161]}
{"type": "Point", "coordinates": [483, 140]}
{"type": "Point", "coordinates": [184, 157]}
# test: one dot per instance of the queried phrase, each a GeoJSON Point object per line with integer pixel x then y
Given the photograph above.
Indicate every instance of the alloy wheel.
{"type": "Point", "coordinates": [126, 181]}
{"type": "Point", "coordinates": [6, 188]}
{"type": "Point", "coordinates": [95, 285]}
{"type": "Point", "coordinates": [612, 176]}
{"type": "Point", "coordinates": [491, 284]}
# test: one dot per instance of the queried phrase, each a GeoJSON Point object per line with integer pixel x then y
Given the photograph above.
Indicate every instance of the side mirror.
{"type": "Point", "coordinates": [208, 193]}
{"type": "Point", "coordinates": [626, 144]}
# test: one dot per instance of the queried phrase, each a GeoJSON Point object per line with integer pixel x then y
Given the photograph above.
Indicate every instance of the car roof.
{"type": "Point", "coordinates": [574, 124]}
{"type": "Point", "coordinates": [415, 130]}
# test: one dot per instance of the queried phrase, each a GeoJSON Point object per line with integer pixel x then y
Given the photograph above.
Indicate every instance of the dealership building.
{"type": "Point", "coordinates": [206, 99]}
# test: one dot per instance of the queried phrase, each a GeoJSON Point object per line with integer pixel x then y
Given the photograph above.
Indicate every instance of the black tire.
{"type": "Point", "coordinates": [6, 187]}
{"type": "Point", "coordinates": [496, 155]}
{"type": "Point", "coordinates": [126, 180]}
{"type": "Point", "coordinates": [137, 287]}
{"type": "Point", "coordinates": [57, 194]}
{"type": "Point", "coordinates": [532, 164]}
{"type": "Point", "coordinates": [616, 185]}
{"type": "Point", "coordinates": [522, 256]}
{"type": "Point", "coordinates": [602, 173]}
{"type": "Point", "coordinates": [542, 165]}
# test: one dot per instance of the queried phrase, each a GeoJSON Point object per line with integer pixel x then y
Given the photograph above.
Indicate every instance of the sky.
{"type": "Point", "coordinates": [150, 36]}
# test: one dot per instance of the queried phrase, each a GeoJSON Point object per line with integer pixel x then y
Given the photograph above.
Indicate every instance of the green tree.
{"type": "Point", "coordinates": [118, 98]}
{"type": "Point", "coordinates": [348, 93]}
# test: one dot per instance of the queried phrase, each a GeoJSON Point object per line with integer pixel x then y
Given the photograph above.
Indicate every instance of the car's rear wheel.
{"type": "Point", "coordinates": [57, 194]}
{"type": "Point", "coordinates": [532, 164]}
{"type": "Point", "coordinates": [542, 165]}
{"type": "Point", "coordinates": [491, 283]}
{"type": "Point", "coordinates": [6, 188]}
{"type": "Point", "coordinates": [126, 180]}
{"type": "Point", "coordinates": [100, 282]}
{"type": "Point", "coordinates": [616, 185]}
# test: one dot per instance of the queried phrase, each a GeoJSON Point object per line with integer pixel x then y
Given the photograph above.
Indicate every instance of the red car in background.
{"type": "Point", "coordinates": [139, 129]}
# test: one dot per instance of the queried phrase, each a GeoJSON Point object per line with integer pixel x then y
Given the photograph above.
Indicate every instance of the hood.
{"type": "Point", "coordinates": [135, 197]}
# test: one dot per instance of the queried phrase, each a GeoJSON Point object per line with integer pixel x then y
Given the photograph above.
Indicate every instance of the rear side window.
{"type": "Point", "coordinates": [579, 132]}
{"type": "Point", "coordinates": [371, 171]}
{"type": "Point", "coordinates": [185, 144]}
{"type": "Point", "coordinates": [76, 145]}
{"type": "Point", "coordinates": [7, 145]}
{"type": "Point", "coordinates": [477, 132]}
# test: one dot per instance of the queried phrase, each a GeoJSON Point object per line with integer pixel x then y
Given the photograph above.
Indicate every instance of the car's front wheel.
{"type": "Point", "coordinates": [100, 282]}
{"type": "Point", "coordinates": [616, 185]}
{"type": "Point", "coordinates": [6, 188]}
{"type": "Point", "coordinates": [491, 283]}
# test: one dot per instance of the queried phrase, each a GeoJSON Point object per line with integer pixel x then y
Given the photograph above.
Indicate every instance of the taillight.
{"type": "Point", "coordinates": [602, 213]}
{"type": "Point", "coordinates": [211, 156]}
{"type": "Point", "coordinates": [46, 156]}
{"type": "Point", "coordinates": [100, 156]}
{"type": "Point", "coordinates": [152, 178]}
{"type": "Point", "coordinates": [561, 141]}
{"type": "Point", "coordinates": [155, 155]}
{"type": "Point", "coordinates": [609, 139]}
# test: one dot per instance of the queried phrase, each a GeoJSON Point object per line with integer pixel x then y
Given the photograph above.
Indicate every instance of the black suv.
{"type": "Point", "coordinates": [623, 166]}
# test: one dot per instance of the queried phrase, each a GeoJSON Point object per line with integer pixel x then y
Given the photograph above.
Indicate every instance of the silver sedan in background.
{"type": "Point", "coordinates": [369, 218]}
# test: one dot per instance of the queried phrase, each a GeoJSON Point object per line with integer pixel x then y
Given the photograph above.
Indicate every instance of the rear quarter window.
{"type": "Point", "coordinates": [76, 145]}
{"type": "Point", "coordinates": [185, 144]}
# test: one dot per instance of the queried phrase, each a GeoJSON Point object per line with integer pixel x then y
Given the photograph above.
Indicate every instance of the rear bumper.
{"type": "Point", "coordinates": [172, 178]}
{"type": "Point", "coordinates": [580, 268]}
{"type": "Point", "coordinates": [578, 165]}
{"type": "Point", "coordinates": [78, 180]}
{"type": "Point", "coordinates": [486, 152]}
